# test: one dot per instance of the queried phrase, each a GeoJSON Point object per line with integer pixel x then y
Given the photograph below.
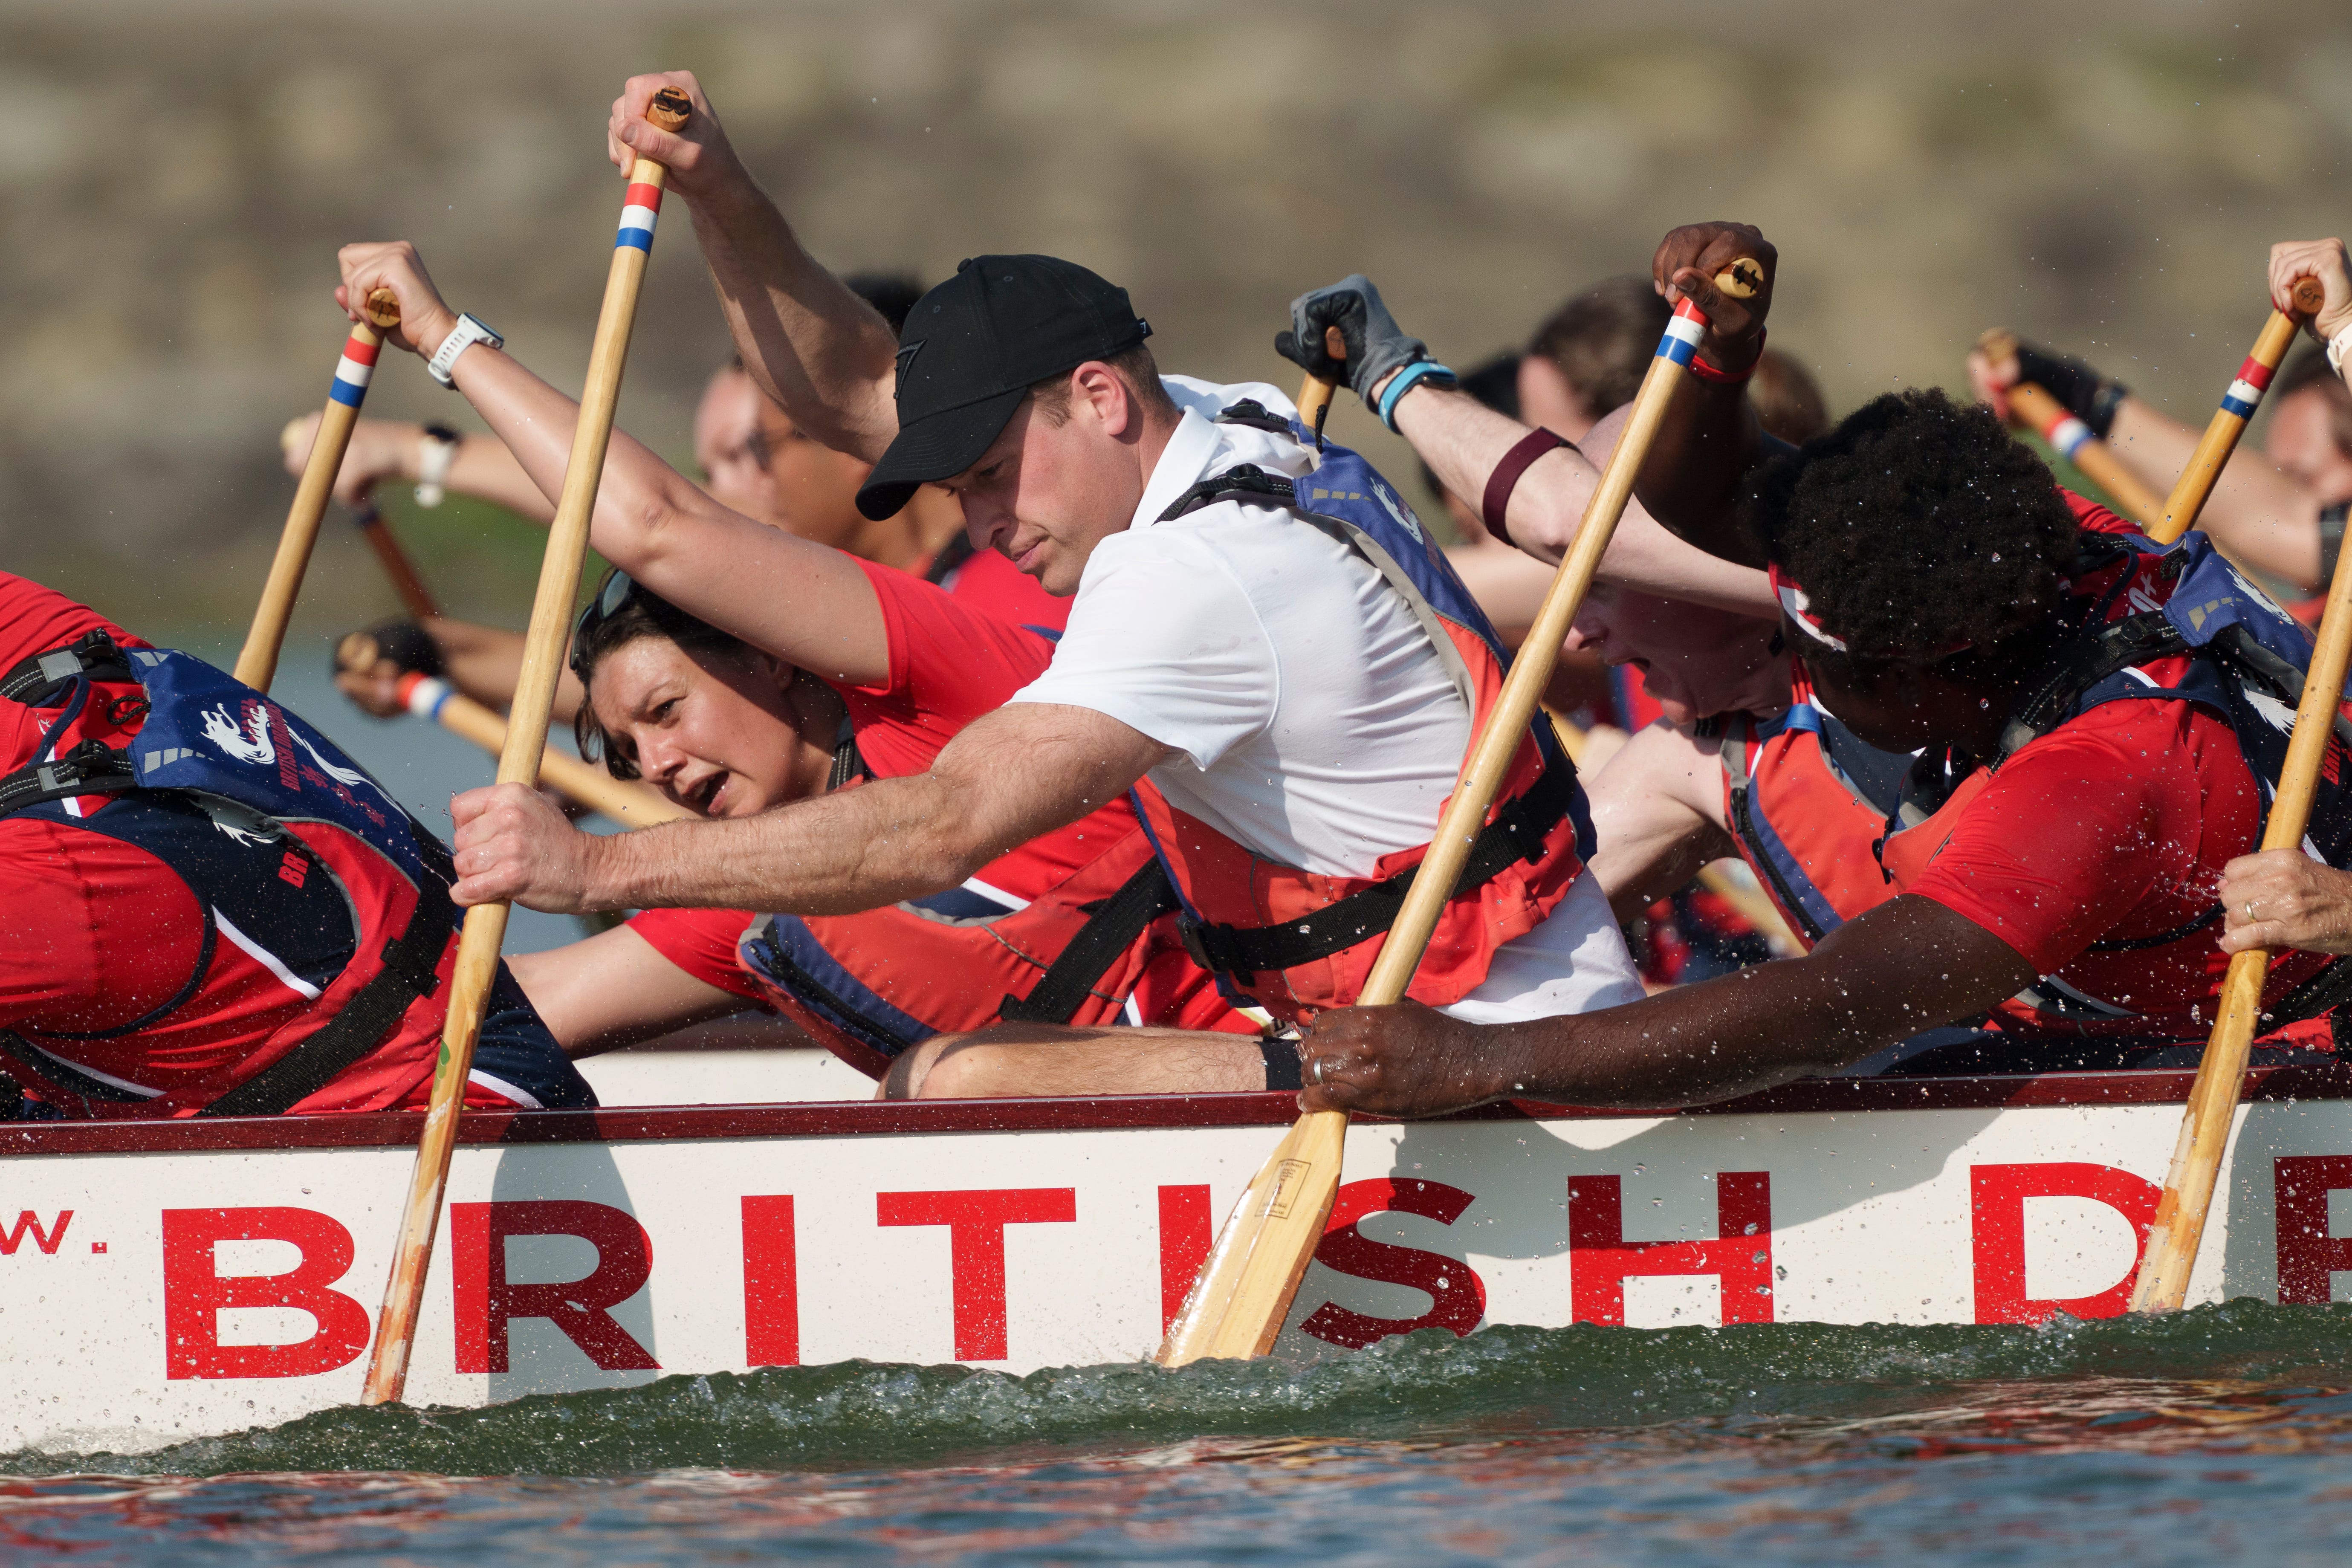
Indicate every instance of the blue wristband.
{"type": "Point", "coordinates": [1404, 382]}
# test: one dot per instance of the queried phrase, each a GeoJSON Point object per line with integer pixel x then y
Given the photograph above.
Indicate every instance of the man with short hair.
{"type": "Point", "coordinates": [1260, 629]}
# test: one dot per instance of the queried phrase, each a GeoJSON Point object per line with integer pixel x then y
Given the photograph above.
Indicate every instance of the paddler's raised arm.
{"type": "Point", "coordinates": [1465, 443]}
{"type": "Point", "coordinates": [801, 601]}
{"type": "Point", "coordinates": [1698, 467]}
{"type": "Point", "coordinates": [1907, 966]}
{"type": "Point", "coordinates": [824, 355]}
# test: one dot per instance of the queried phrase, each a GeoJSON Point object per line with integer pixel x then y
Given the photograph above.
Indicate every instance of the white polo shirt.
{"type": "Point", "coordinates": [1314, 721]}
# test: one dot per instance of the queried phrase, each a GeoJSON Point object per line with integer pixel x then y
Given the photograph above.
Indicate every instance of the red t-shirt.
{"type": "Point", "coordinates": [950, 663]}
{"type": "Point", "coordinates": [2114, 827]}
{"type": "Point", "coordinates": [991, 584]}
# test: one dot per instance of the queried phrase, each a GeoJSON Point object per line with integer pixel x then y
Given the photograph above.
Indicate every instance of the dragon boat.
{"type": "Point", "coordinates": [163, 1280]}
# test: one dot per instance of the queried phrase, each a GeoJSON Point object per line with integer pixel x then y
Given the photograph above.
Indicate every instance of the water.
{"type": "Point", "coordinates": [2219, 1436]}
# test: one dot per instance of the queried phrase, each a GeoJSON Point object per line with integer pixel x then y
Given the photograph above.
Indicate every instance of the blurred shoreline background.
{"type": "Point", "coordinates": [2102, 177]}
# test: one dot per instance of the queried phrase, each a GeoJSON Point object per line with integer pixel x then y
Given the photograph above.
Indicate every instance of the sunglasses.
{"type": "Point", "coordinates": [611, 595]}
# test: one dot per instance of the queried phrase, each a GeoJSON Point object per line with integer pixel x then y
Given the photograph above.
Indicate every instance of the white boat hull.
{"type": "Point", "coordinates": [187, 1279]}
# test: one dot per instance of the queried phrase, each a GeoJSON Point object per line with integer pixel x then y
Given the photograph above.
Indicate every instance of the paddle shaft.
{"type": "Point", "coordinates": [630, 805]}
{"type": "Point", "coordinates": [2054, 423]}
{"type": "Point", "coordinates": [1244, 1291]}
{"type": "Point", "coordinates": [2196, 482]}
{"type": "Point", "coordinates": [2179, 1226]}
{"type": "Point", "coordinates": [257, 664]}
{"type": "Point", "coordinates": [525, 741]}
{"type": "Point", "coordinates": [415, 597]}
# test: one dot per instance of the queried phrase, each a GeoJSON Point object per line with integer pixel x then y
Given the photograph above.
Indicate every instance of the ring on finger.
{"type": "Point", "coordinates": [1315, 1071]}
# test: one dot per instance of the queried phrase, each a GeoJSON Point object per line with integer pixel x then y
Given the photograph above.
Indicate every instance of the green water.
{"type": "Point", "coordinates": [2223, 1435]}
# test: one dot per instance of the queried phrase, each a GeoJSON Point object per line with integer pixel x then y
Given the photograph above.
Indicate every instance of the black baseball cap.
{"type": "Point", "coordinates": [971, 349]}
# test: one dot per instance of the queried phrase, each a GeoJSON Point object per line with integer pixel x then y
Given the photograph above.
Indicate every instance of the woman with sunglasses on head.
{"type": "Point", "coordinates": [737, 669]}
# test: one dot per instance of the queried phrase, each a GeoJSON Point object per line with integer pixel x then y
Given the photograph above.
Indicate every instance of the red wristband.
{"type": "Point", "coordinates": [1506, 477]}
{"type": "Point", "coordinates": [1706, 372]}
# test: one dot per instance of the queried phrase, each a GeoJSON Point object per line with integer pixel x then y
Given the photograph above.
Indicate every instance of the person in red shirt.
{"type": "Point", "coordinates": [2098, 722]}
{"type": "Point", "coordinates": [737, 669]}
{"type": "Point", "coordinates": [754, 460]}
{"type": "Point", "coordinates": [233, 920]}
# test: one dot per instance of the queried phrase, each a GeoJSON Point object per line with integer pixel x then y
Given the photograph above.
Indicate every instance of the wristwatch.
{"type": "Point", "coordinates": [436, 448]}
{"type": "Point", "coordinates": [468, 332]}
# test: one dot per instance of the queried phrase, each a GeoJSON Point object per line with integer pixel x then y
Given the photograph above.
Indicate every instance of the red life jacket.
{"type": "Point", "coordinates": [2153, 624]}
{"type": "Point", "coordinates": [1099, 947]}
{"type": "Point", "coordinates": [298, 861]}
{"type": "Point", "coordinates": [1296, 943]}
{"type": "Point", "coordinates": [1805, 798]}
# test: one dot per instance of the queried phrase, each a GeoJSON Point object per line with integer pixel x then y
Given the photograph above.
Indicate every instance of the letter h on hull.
{"type": "Point", "coordinates": [1600, 1259]}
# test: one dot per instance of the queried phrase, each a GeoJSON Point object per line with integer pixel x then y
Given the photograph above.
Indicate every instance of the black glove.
{"type": "Point", "coordinates": [402, 641]}
{"type": "Point", "coordinates": [1376, 344]}
{"type": "Point", "coordinates": [2089, 396]}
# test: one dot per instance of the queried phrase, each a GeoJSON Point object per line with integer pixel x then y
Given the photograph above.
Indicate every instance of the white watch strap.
{"type": "Point", "coordinates": [2337, 347]}
{"type": "Point", "coordinates": [433, 456]}
{"type": "Point", "coordinates": [468, 332]}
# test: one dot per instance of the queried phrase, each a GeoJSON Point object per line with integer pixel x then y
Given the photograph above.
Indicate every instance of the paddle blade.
{"type": "Point", "coordinates": [1244, 1291]}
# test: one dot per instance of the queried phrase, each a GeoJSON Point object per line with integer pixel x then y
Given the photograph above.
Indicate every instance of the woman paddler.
{"type": "Point", "coordinates": [736, 668]}
{"type": "Point", "coordinates": [2097, 722]}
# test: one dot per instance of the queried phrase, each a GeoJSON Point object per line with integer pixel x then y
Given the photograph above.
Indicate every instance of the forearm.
{"type": "Point", "coordinates": [2263, 517]}
{"type": "Point", "coordinates": [824, 354]}
{"type": "Point", "coordinates": [1696, 471]}
{"type": "Point", "coordinates": [613, 990]}
{"type": "Point", "coordinates": [851, 850]}
{"type": "Point", "coordinates": [1463, 442]}
{"type": "Point", "coordinates": [483, 468]}
{"type": "Point", "coordinates": [485, 663]}
{"type": "Point", "coordinates": [1907, 966]}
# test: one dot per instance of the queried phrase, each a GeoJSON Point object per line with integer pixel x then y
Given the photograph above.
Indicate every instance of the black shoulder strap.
{"type": "Point", "coordinates": [1249, 411]}
{"type": "Point", "coordinates": [411, 961]}
{"type": "Point", "coordinates": [43, 679]}
{"type": "Point", "coordinates": [1112, 925]}
{"type": "Point", "coordinates": [848, 762]}
{"type": "Point", "coordinates": [88, 768]}
{"type": "Point", "coordinates": [1243, 480]}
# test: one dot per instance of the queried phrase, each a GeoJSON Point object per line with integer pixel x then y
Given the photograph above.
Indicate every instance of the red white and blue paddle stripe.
{"type": "Point", "coordinates": [353, 370]}
{"type": "Point", "coordinates": [2245, 393]}
{"type": "Point", "coordinates": [2067, 433]}
{"type": "Point", "coordinates": [1685, 328]}
{"type": "Point", "coordinates": [639, 210]}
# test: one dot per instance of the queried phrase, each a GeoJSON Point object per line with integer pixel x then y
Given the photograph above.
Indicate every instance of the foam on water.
{"type": "Point", "coordinates": [1431, 1385]}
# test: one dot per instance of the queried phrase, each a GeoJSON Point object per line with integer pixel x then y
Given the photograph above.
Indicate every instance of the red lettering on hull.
{"type": "Point", "coordinates": [1186, 1234]}
{"type": "Point", "coordinates": [1997, 1196]}
{"type": "Point", "coordinates": [1600, 1259]}
{"type": "Point", "coordinates": [195, 1294]}
{"type": "Point", "coordinates": [772, 1284]}
{"type": "Point", "coordinates": [2308, 1254]}
{"type": "Point", "coordinates": [1458, 1296]}
{"type": "Point", "coordinates": [976, 1222]}
{"type": "Point", "coordinates": [47, 1240]}
{"type": "Point", "coordinates": [487, 1301]}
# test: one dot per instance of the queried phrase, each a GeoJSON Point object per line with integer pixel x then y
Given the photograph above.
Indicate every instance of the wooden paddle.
{"type": "Point", "coordinates": [415, 597]}
{"type": "Point", "coordinates": [2238, 405]}
{"type": "Point", "coordinates": [256, 664]}
{"type": "Point", "coordinates": [1244, 1291]}
{"type": "Point", "coordinates": [630, 805]}
{"type": "Point", "coordinates": [2205, 1127]}
{"type": "Point", "coordinates": [2032, 408]}
{"type": "Point", "coordinates": [525, 742]}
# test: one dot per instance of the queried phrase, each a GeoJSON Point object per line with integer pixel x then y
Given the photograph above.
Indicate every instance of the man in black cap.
{"type": "Point", "coordinates": [1263, 645]}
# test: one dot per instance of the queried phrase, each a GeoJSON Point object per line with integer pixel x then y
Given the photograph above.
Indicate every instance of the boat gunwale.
{"type": "Point", "coordinates": [836, 1118]}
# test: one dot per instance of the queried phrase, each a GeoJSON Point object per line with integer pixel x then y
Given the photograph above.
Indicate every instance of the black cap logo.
{"type": "Point", "coordinates": [907, 353]}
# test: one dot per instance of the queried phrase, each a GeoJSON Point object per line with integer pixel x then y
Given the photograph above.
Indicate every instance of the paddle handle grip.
{"type": "Point", "coordinates": [2189, 493]}
{"type": "Point", "coordinates": [1315, 393]}
{"type": "Point", "coordinates": [2179, 1226]}
{"type": "Point", "coordinates": [484, 932]}
{"type": "Point", "coordinates": [256, 662]}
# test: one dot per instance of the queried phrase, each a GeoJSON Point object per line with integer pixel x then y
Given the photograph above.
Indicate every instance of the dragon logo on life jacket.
{"type": "Point", "coordinates": [223, 732]}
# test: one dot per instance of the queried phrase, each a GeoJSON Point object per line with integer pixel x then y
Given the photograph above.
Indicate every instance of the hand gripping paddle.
{"type": "Point", "coordinates": [526, 738]}
{"type": "Point", "coordinates": [1244, 1291]}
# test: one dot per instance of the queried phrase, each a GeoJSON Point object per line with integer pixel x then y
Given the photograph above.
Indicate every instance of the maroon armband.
{"type": "Point", "coordinates": [1706, 372]}
{"type": "Point", "coordinates": [1506, 477]}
